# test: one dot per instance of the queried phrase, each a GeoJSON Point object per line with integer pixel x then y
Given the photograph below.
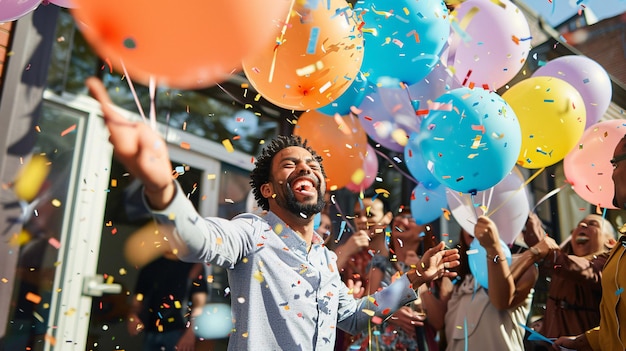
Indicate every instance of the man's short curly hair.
{"type": "Point", "coordinates": [263, 165]}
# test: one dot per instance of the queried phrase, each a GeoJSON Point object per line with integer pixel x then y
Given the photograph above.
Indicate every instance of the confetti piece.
{"type": "Point", "coordinates": [228, 145]}
{"type": "Point", "coordinates": [54, 243]}
{"type": "Point", "coordinates": [313, 37]}
{"type": "Point", "coordinates": [32, 297]}
{"type": "Point", "coordinates": [68, 130]}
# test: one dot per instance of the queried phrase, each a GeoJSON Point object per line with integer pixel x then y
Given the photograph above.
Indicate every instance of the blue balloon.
{"type": "Point", "coordinates": [416, 164]}
{"type": "Point", "coordinates": [355, 94]}
{"type": "Point", "coordinates": [215, 321]}
{"type": "Point", "coordinates": [477, 257]}
{"type": "Point", "coordinates": [472, 139]}
{"type": "Point", "coordinates": [317, 220]}
{"type": "Point", "coordinates": [403, 39]}
{"type": "Point", "coordinates": [428, 204]}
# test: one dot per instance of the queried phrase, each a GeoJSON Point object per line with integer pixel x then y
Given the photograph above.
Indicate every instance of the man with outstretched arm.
{"type": "Point", "coordinates": [286, 292]}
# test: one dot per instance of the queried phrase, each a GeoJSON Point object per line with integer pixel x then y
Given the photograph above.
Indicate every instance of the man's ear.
{"type": "Point", "coordinates": [610, 242]}
{"type": "Point", "coordinates": [267, 190]}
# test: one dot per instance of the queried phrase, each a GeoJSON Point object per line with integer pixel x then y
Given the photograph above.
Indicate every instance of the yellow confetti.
{"type": "Point", "coordinates": [228, 145]}
{"type": "Point", "coordinates": [56, 202]}
{"type": "Point", "coordinates": [258, 275]}
{"type": "Point", "coordinates": [358, 176]}
{"type": "Point", "coordinates": [177, 304]}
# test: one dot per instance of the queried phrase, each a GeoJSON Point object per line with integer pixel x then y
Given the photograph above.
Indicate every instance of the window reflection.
{"type": "Point", "coordinates": [38, 245]}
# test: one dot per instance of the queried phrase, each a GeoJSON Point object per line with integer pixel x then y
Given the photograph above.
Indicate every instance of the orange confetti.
{"type": "Point", "coordinates": [32, 297]}
{"type": "Point", "coordinates": [68, 130]}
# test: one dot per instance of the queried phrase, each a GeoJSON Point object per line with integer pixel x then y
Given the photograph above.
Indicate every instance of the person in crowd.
{"type": "Point", "coordinates": [285, 286]}
{"type": "Point", "coordinates": [489, 318]}
{"type": "Point", "coordinates": [575, 271]}
{"type": "Point", "coordinates": [405, 329]}
{"type": "Point", "coordinates": [610, 333]}
{"type": "Point", "coordinates": [158, 307]}
{"type": "Point", "coordinates": [364, 246]}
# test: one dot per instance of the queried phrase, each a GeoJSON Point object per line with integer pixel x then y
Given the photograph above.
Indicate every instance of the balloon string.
{"type": "Point", "coordinates": [530, 179]}
{"type": "Point", "coordinates": [152, 114]}
{"type": "Point", "coordinates": [547, 196]}
{"type": "Point", "coordinates": [132, 90]}
{"type": "Point", "coordinates": [398, 168]}
{"type": "Point", "coordinates": [280, 41]}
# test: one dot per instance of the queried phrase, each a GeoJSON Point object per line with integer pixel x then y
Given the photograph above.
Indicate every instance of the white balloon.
{"type": "Point", "coordinates": [506, 204]}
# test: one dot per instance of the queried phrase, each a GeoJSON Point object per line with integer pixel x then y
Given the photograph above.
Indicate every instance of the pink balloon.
{"type": "Point", "coordinates": [63, 3]}
{"type": "Point", "coordinates": [370, 169]}
{"type": "Point", "coordinates": [493, 46]}
{"type": "Point", "coordinates": [588, 77]}
{"type": "Point", "coordinates": [506, 204]}
{"type": "Point", "coordinates": [588, 168]}
{"type": "Point", "coordinates": [10, 10]}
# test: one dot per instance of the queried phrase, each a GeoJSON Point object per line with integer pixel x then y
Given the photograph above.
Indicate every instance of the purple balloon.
{"type": "Point", "coordinates": [10, 10]}
{"type": "Point", "coordinates": [588, 77]}
{"type": "Point", "coordinates": [389, 114]}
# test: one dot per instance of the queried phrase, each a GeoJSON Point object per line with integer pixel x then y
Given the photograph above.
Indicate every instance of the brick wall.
{"type": "Point", "coordinates": [5, 36]}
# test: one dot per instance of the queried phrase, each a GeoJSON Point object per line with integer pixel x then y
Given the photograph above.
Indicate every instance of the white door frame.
{"type": "Point", "coordinates": [84, 215]}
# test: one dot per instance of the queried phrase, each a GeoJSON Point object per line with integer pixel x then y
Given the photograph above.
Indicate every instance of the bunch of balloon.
{"type": "Point", "coordinates": [185, 47]}
{"type": "Point", "coordinates": [588, 168]}
{"type": "Point", "coordinates": [587, 77]}
{"type": "Point", "coordinates": [314, 59]}
{"type": "Point", "coordinates": [427, 204]}
{"type": "Point", "coordinates": [551, 115]}
{"type": "Point", "coordinates": [471, 138]}
{"type": "Point", "coordinates": [11, 10]}
{"type": "Point", "coordinates": [403, 38]}
{"type": "Point", "coordinates": [489, 43]}
{"type": "Point", "coordinates": [340, 141]}
{"type": "Point", "coordinates": [365, 176]}
{"type": "Point", "coordinates": [506, 204]}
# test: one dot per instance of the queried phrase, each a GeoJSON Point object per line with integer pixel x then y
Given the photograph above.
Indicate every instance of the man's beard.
{"type": "Point", "coordinates": [308, 210]}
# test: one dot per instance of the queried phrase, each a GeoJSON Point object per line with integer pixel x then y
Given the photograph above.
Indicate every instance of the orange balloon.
{"type": "Point", "coordinates": [341, 141]}
{"type": "Point", "coordinates": [186, 45]}
{"type": "Point", "coordinates": [313, 61]}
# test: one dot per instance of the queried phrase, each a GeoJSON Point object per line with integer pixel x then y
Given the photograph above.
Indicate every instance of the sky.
{"type": "Point", "coordinates": [557, 11]}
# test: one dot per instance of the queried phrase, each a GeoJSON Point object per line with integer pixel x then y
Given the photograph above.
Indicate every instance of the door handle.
{"type": "Point", "coordinates": [95, 286]}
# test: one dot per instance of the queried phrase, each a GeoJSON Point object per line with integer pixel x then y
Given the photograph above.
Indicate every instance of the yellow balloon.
{"type": "Point", "coordinates": [552, 117]}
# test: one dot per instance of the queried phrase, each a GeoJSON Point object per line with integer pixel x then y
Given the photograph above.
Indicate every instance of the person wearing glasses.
{"type": "Point", "coordinates": [611, 333]}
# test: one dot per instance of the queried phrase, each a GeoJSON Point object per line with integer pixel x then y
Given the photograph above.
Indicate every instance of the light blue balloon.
{"type": "Point", "coordinates": [215, 321]}
{"type": "Point", "coordinates": [428, 204]}
{"type": "Point", "coordinates": [416, 164]}
{"type": "Point", "coordinates": [355, 94]}
{"type": "Point", "coordinates": [477, 257]}
{"type": "Point", "coordinates": [317, 220]}
{"type": "Point", "coordinates": [402, 38]}
{"type": "Point", "coordinates": [472, 139]}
